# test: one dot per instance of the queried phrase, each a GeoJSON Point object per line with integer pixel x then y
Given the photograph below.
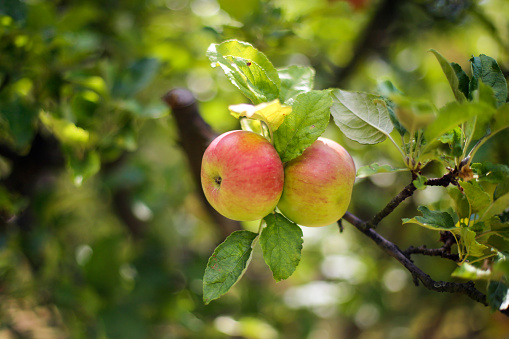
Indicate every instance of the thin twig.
{"type": "Point", "coordinates": [391, 206]}
{"type": "Point", "coordinates": [407, 192]}
{"type": "Point", "coordinates": [433, 252]}
{"type": "Point", "coordinates": [444, 252]}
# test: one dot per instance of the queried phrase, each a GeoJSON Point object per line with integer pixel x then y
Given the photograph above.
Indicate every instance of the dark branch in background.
{"type": "Point", "coordinates": [375, 37]}
{"type": "Point", "coordinates": [34, 173]}
{"type": "Point", "coordinates": [122, 199]}
{"type": "Point", "coordinates": [195, 135]}
{"type": "Point", "coordinates": [5, 81]}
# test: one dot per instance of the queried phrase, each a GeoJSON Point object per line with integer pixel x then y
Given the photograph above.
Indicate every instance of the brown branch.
{"type": "Point", "coordinates": [407, 192]}
{"type": "Point", "coordinates": [433, 252]}
{"type": "Point", "coordinates": [443, 252]}
{"type": "Point", "coordinates": [390, 248]}
{"type": "Point", "coordinates": [194, 137]}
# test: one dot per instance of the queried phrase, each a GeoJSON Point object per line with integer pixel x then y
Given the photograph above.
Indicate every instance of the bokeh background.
{"type": "Point", "coordinates": [102, 232]}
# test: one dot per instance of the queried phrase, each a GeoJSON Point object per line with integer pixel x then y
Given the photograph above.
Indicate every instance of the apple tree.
{"type": "Point", "coordinates": [292, 115]}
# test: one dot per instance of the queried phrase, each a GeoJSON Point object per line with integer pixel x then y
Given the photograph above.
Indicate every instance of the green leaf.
{"type": "Point", "coordinates": [501, 264]}
{"type": "Point", "coordinates": [394, 119]}
{"type": "Point", "coordinates": [240, 10]}
{"type": "Point", "coordinates": [499, 228]}
{"type": "Point", "coordinates": [500, 120]}
{"type": "Point", "coordinates": [227, 264]}
{"type": "Point", "coordinates": [484, 94]}
{"type": "Point", "coordinates": [477, 198]}
{"type": "Point", "coordinates": [366, 171]}
{"type": "Point", "coordinates": [470, 272]}
{"type": "Point", "coordinates": [501, 190]}
{"type": "Point", "coordinates": [16, 9]}
{"type": "Point", "coordinates": [388, 90]}
{"type": "Point", "coordinates": [272, 113]}
{"type": "Point", "coordinates": [362, 117]}
{"type": "Point", "coordinates": [498, 206]}
{"type": "Point", "coordinates": [480, 226]}
{"type": "Point", "coordinates": [495, 234]}
{"type": "Point", "coordinates": [498, 295]}
{"type": "Point", "coordinates": [21, 120]}
{"type": "Point", "coordinates": [82, 165]}
{"type": "Point", "coordinates": [452, 76]}
{"type": "Point", "coordinates": [486, 69]}
{"type": "Point", "coordinates": [294, 81]}
{"type": "Point", "coordinates": [460, 201]}
{"type": "Point", "coordinates": [493, 173]}
{"type": "Point", "coordinates": [308, 120]}
{"type": "Point", "coordinates": [453, 138]}
{"type": "Point", "coordinates": [435, 220]}
{"type": "Point", "coordinates": [420, 182]}
{"type": "Point", "coordinates": [135, 78]}
{"type": "Point", "coordinates": [281, 242]}
{"type": "Point", "coordinates": [449, 117]}
{"type": "Point", "coordinates": [414, 114]}
{"type": "Point", "coordinates": [247, 68]}
{"type": "Point", "coordinates": [463, 79]}
{"type": "Point", "coordinates": [478, 127]}
{"type": "Point", "coordinates": [472, 247]}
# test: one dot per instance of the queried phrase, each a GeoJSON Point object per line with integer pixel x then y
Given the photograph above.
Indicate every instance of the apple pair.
{"type": "Point", "coordinates": [244, 179]}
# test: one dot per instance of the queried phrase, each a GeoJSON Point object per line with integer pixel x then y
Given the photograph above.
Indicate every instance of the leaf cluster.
{"type": "Point", "coordinates": [70, 88]}
{"type": "Point", "coordinates": [292, 115]}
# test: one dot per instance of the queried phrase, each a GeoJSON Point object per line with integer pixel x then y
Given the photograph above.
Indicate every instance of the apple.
{"type": "Point", "coordinates": [318, 184]}
{"type": "Point", "coordinates": [242, 175]}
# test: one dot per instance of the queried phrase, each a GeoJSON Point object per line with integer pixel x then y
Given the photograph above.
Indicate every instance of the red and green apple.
{"type": "Point", "coordinates": [318, 184]}
{"type": "Point", "coordinates": [242, 175]}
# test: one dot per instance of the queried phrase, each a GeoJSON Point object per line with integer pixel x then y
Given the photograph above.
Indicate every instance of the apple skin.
{"type": "Point", "coordinates": [242, 175]}
{"type": "Point", "coordinates": [318, 184]}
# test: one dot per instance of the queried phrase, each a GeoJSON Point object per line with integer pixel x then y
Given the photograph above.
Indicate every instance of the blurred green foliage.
{"type": "Point", "coordinates": [102, 234]}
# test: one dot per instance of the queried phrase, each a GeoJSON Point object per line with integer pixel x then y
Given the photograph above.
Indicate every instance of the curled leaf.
{"type": "Point", "coordinates": [272, 113]}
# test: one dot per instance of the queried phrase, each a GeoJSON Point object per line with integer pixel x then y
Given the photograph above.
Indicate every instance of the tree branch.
{"type": "Point", "coordinates": [195, 135]}
{"type": "Point", "coordinates": [433, 252]}
{"type": "Point", "coordinates": [443, 252]}
{"type": "Point", "coordinates": [375, 37]}
{"type": "Point", "coordinates": [407, 192]}
{"type": "Point", "coordinates": [390, 248]}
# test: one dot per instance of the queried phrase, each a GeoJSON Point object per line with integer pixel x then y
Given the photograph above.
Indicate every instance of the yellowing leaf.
{"type": "Point", "coordinates": [272, 113]}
